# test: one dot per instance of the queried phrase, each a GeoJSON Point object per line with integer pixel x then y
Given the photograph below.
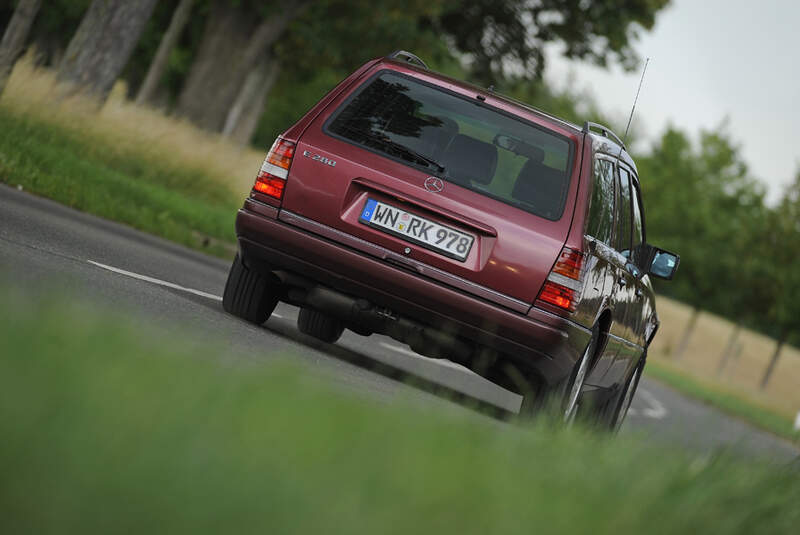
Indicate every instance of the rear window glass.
{"type": "Point", "coordinates": [460, 140]}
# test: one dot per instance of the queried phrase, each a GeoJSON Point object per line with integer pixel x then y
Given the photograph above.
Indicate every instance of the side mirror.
{"type": "Point", "coordinates": [662, 264]}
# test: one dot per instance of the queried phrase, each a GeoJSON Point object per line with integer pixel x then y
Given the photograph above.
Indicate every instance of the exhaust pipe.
{"type": "Point", "coordinates": [366, 318]}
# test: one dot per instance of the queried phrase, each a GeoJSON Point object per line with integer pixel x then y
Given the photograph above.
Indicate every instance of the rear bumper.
{"type": "Point", "coordinates": [548, 343]}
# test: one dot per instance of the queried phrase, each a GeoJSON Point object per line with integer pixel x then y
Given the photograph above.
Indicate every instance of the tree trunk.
{"type": "Point", "coordinates": [103, 44]}
{"type": "Point", "coordinates": [243, 117]}
{"type": "Point", "coordinates": [159, 64]}
{"type": "Point", "coordinates": [14, 37]}
{"type": "Point", "coordinates": [728, 352]}
{"type": "Point", "coordinates": [232, 43]}
{"type": "Point", "coordinates": [774, 360]}
{"type": "Point", "coordinates": [687, 334]}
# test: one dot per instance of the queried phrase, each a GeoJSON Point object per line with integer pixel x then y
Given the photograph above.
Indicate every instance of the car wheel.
{"type": "Point", "coordinates": [627, 397]}
{"type": "Point", "coordinates": [249, 294]}
{"type": "Point", "coordinates": [572, 392]}
{"type": "Point", "coordinates": [612, 413]}
{"type": "Point", "coordinates": [319, 325]}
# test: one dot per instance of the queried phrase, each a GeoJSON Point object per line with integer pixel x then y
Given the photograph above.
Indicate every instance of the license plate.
{"type": "Point", "coordinates": [417, 229]}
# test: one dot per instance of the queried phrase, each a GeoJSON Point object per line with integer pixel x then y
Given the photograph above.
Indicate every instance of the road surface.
{"type": "Point", "coordinates": [45, 246]}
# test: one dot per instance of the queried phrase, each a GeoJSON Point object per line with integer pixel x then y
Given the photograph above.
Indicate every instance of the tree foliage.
{"type": "Point", "coordinates": [501, 36]}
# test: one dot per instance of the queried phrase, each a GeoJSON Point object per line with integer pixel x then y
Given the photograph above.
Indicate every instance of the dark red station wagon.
{"type": "Point", "coordinates": [465, 224]}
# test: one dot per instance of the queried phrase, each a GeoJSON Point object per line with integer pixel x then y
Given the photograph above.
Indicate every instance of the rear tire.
{"type": "Point", "coordinates": [627, 397]}
{"type": "Point", "coordinates": [319, 325]}
{"type": "Point", "coordinates": [612, 414]}
{"type": "Point", "coordinates": [562, 399]}
{"type": "Point", "coordinates": [249, 294]}
{"type": "Point", "coordinates": [571, 400]}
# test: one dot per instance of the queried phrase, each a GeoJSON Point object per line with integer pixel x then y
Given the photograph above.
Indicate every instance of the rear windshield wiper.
{"type": "Point", "coordinates": [399, 147]}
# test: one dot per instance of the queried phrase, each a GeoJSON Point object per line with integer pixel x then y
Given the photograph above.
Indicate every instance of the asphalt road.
{"type": "Point", "coordinates": [155, 284]}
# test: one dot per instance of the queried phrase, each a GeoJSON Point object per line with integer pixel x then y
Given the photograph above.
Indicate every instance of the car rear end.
{"type": "Point", "coordinates": [430, 210]}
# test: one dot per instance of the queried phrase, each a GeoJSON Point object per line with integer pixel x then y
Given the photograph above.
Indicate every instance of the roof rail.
{"type": "Point", "coordinates": [606, 131]}
{"type": "Point", "coordinates": [408, 57]}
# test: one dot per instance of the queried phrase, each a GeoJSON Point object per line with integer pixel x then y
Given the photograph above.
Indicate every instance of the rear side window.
{"type": "Point", "coordinates": [638, 225]}
{"type": "Point", "coordinates": [460, 140]}
{"type": "Point", "coordinates": [624, 226]}
{"type": "Point", "coordinates": [601, 209]}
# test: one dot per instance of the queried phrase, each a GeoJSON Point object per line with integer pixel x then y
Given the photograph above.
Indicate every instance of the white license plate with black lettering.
{"type": "Point", "coordinates": [417, 229]}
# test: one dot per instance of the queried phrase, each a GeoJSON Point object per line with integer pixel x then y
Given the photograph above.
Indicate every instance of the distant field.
{"type": "Point", "coordinates": [744, 373]}
{"type": "Point", "coordinates": [110, 429]}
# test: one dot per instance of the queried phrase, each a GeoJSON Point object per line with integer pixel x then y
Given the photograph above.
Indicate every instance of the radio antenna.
{"type": "Point", "coordinates": [633, 108]}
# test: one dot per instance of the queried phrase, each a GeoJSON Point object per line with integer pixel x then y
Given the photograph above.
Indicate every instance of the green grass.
{"type": "Point", "coordinates": [729, 401]}
{"type": "Point", "coordinates": [172, 201]}
{"type": "Point", "coordinates": [109, 429]}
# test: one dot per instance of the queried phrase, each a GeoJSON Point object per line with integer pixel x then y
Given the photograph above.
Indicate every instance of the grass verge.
{"type": "Point", "coordinates": [729, 401]}
{"type": "Point", "coordinates": [108, 429]}
{"type": "Point", "coordinates": [121, 162]}
{"type": "Point", "coordinates": [173, 203]}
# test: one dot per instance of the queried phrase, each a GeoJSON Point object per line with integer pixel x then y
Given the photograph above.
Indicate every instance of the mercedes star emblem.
{"type": "Point", "coordinates": [434, 184]}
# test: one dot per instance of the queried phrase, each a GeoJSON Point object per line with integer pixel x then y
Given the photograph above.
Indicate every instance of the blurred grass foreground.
{"type": "Point", "coordinates": [109, 429]}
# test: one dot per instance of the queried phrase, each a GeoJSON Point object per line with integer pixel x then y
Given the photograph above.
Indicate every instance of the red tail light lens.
{"type": "Point", "coordinates": [558, 295]}
{"type": "Point", "coordinates": [563, 286]}
{"type": "Point", "coordinates": [270, 185]}
{"type": "Point", "coordinates": [271, 179]}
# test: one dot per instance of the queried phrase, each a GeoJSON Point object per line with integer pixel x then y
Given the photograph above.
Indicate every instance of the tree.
{"type": "Point", "coordinates": [235, 37]}
{"type": "Point", "coordinates": [103, 44]}
{"type": "Point", "coordinates": [14, 37]}
{"type": "Point", "coordinates": [159, 64]}
{"type": "Point", "coordinates": [242, 118]}
{"type": "Point", "coordinates": [702, 203]}
{"type": "Point", "coordinates": [782, 252]}
{"type": "Point", "coordinates": [500, 36]}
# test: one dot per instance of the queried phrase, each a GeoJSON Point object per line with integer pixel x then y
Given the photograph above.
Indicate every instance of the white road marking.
{"type": "Point", "coordinates": [163, 283]}
{"type": "Point", "coordinates": [156, 281]}
{"type": "Point", "coordinates": [655, 408]}
{"type": "Point", "coordinates": [408, 352]}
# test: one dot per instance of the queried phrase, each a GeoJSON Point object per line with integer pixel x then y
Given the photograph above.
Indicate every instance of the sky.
{"type": "Point", "coordinates": [712, 60]}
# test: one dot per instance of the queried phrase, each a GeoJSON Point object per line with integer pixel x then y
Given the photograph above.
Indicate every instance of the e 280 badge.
{"type": "Point", "coordinates": [318, 158]}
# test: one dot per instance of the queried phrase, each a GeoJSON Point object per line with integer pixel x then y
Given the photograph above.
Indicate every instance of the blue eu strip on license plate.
{"type": "Point", "coordinates": [369, 209]}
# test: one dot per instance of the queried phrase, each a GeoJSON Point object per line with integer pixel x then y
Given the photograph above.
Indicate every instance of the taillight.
{"type": "Point", "coordinates": [271, 179]}
{"type": "Point", "coordinates": [565, 281]}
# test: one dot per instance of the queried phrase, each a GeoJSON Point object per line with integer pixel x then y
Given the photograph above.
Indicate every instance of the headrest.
{"type": "Point", "coordinates": [542, 187]}
{"type": "Point", "coordinates": [469, 159]}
